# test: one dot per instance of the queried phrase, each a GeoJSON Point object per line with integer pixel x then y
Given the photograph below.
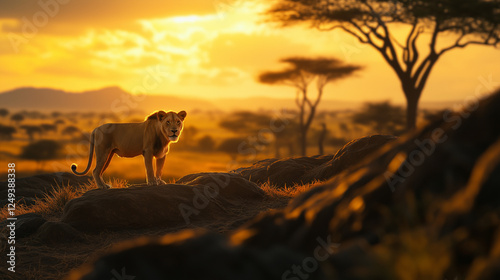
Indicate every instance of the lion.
{"type": "Point", "coordinates": [150, 138]}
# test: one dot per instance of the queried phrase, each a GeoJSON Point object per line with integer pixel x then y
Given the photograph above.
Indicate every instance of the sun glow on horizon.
{"type": "Point", "coordinates": [217, 51]}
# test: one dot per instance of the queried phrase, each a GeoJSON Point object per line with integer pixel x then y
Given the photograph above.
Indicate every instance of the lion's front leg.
{"type": "Point", "coordinates": [159, 169]}
{"type": "Point", "coordinates": [148, 162]}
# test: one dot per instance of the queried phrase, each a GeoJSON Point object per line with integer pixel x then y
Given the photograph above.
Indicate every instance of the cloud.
{"type": "Point", "coordinates": [57, 15]}
{"type": "Point", "coordinates": [252, 52]}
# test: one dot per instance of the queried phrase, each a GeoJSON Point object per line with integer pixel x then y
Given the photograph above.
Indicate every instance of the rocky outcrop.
{"type": "Point", "coordinates": [425, 207]}
{"type": "Point", "coordinates": [204, 196]}
{"type": "Point", "coordinates": [30, 188]}
{"type": "Point", "coordinates": [27, 224]}
{"type": "Point", "coordinates": [303, 170]}
{"type": "Point", "coordinates": [54, 233]}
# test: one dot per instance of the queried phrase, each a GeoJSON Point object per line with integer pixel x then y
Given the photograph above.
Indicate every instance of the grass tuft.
{"type": "Point", "coordinates": [287, 192]}
{"type": "Point", "coordinates": [52, 204]}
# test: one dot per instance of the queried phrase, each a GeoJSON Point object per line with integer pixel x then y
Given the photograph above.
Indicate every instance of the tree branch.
{"type": "Point", "coordinates": [410, 50]}
{"type": "Point", "coordinates": [485, 42]}
{"type": "Point", "coordinates": [425, 75]}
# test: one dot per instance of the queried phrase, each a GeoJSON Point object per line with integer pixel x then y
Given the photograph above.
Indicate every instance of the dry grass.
{"type": "Point", "coordinates": [52, 204]}
{"type": "Point", "coordinates": [275, 192]}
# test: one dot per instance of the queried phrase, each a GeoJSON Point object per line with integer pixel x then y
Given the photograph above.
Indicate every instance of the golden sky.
{"type": "Point", "coordinates": [198, 48]}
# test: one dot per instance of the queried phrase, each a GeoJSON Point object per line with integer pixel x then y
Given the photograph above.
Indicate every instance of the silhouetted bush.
{"type": "Point", "coordinates": [4, 112]}
{"type": "Point", "coordinates": [42, 150]}
{"type": "Point", "coordinates": [17, 118]}
{"type": "Point", "coordinates": [6, 132]}
{"type": "Point", "coordinates": [31, 130]}
{"type": "Point", "coordinates": [70, 130]}
{"type": "Point", "coordinates": [232, 146]}
{"type": "Point", "coordinates": [206, 143]}
{"type": "Point", "coordinates": [382, 117]}
{"type": "Point", "coordinates": [48, 127]}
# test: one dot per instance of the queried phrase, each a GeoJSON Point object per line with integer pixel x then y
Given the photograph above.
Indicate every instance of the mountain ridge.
{"type": "Point", "coordinates": [116, 99]}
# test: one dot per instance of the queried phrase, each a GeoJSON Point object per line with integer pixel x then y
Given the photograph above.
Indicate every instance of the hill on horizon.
{"type": "Point", "coordinates": [116, 99]}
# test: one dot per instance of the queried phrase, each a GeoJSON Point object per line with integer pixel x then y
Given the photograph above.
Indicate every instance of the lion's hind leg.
{"type": "Point", "coordinates": [102, 162]}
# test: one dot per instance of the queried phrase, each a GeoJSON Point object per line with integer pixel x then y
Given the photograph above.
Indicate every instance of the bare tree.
{"type": "Point", "coordinates": [371, 22]}
{"type": "Point", "coordinates": [300, 74]}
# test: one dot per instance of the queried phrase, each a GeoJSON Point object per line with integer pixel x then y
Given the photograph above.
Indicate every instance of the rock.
{"type": "Point", "coordinates": [235, 263]}
{"type": "Point", "coordinates": [231, 186]}
{"type": "Point", "coordinates": [39, 185]}
{"type": "Point", "coordinates": [427, 206]}
{"type": "Point", "coordinates": [303, 170]}
{"type": "Point", "coordinates": [202, 197]}
{"type": "Point", "coordinates": [25, 225]}
{"type": "Point", "coordinates": [282, 172]}
{"type": "Point", "coordinates": [28, 224]}
{"type": "Point", "coordinates": [350, 155]}
{"type": "Point", "coordinates": [56, 232]}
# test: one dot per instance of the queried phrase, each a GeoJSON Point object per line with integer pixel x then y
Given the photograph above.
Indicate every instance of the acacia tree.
{"type": "Point", "coordinates": [371, 22]}
{"type": "Point", "coordinates": [300, 73]}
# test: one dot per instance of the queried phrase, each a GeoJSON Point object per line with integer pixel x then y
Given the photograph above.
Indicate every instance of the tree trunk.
{"type": "Point", "coordinates": [411, 113]}
{"type": "Point", "coordinates": [412, 97]}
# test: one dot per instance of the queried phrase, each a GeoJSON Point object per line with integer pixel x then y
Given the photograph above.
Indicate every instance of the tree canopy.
{"type": "Point", "coordinates": [370, 21]}
{"type": "Point", "coordinates": [302, 71]}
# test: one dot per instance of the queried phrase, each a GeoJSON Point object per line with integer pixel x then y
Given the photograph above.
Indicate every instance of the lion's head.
{"type": "Point", "coordinates": [170, 123]}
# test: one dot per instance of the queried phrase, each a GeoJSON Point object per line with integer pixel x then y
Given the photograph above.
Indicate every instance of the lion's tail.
{"type": "Point", "coordinates": [91, 153]}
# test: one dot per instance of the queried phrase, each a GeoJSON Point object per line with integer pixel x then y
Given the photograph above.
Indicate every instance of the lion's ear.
{"type": "Point", "coordinates": [161, 115]}
{"type": "Point", "coordinates": [182, 115]}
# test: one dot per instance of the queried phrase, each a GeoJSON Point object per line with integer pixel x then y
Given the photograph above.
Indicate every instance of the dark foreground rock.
{"type": "Point", "coordinates": [303, 170]}
{"type": "Point", "coordinates": [204, 196]}
{"type": "Point", "coordinates": [54, 233]}
{"type": "Point", "coordinates": [425, 207]}
{"type": "Point", "coordinates": [27, 224]}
